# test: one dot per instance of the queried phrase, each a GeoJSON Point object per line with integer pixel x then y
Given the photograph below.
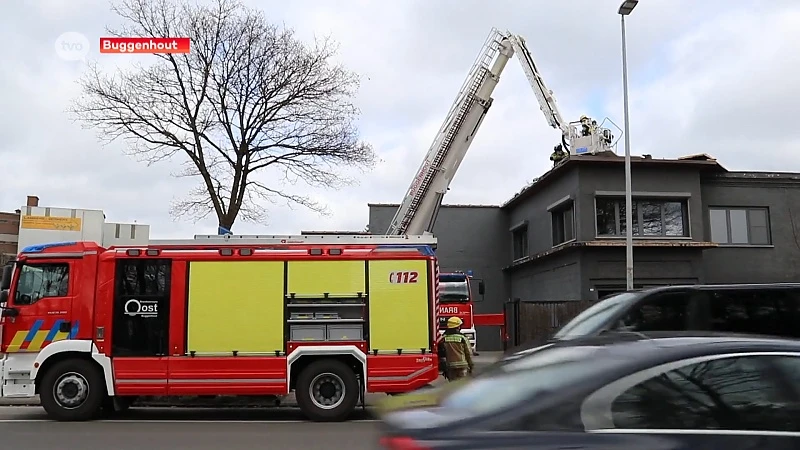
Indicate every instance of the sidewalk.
{"type": "Point", "coordinates": [483, 360]}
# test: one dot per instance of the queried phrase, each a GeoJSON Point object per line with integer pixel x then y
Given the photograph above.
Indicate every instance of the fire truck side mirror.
{"type": "Point", "coordinates": [481, 288]}
{"type": "Point", "coordinates": [3, 296]}
{"type": "Point", "coordinates": [5, 283]}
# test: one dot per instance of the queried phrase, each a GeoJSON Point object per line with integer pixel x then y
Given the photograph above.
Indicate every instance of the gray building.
{"type": "Point", "coordinates": [563, 236]}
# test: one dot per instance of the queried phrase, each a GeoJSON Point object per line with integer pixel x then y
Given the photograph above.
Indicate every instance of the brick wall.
{"type": "Point", "coordinates": [9, 230]}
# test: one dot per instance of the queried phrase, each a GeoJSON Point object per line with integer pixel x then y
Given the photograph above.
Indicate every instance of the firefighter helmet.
{"type": "Point", "coordinates": [454, 322]}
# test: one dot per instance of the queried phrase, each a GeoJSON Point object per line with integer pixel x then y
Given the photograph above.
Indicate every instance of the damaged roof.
{"type": "Point", "coordinates": [701, 161]}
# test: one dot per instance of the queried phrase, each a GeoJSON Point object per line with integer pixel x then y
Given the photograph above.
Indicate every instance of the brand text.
{"type": "Point", "coordinates": [448, 310]}
{"type": "Point", "coordinates": [141, 308]}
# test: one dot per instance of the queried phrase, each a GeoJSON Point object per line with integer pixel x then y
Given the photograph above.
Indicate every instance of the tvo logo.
{"type": "Point", "coordinates": [72, 46]}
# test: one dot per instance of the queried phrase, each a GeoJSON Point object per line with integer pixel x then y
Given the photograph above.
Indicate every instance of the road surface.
{"type": "Point", "coordinates": [190, 428]}
{"type": "Point", "coordinates": [27, 427]}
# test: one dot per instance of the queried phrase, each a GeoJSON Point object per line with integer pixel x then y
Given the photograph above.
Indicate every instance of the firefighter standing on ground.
{"type": "Point", "coordinates": [457, 350]}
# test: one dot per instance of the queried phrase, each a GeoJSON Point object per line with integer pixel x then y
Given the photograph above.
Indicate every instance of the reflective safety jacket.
{"type": "Point", "coordinates": [457, 351]}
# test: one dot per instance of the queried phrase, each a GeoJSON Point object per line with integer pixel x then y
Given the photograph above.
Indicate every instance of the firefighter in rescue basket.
{"type": "Point", "coordinates": [455, 350]}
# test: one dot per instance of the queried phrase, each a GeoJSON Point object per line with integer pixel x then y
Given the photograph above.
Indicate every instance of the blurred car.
{"type": "Point", "coordinates": [766, 309]}
{"type": "Point", "coordinates": [772, 309]}
{"type": "Point", "coordinates": [617, 391]}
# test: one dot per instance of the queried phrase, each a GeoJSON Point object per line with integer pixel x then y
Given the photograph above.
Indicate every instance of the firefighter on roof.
{"type": "Point", "coordinates": [456, 351]}
{"type": "Point", "coordinates": [558, 154]}
{"type": "Point", "coordinates": [588, 126]}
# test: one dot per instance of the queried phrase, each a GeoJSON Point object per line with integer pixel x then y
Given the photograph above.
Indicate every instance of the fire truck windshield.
{"type": "Point", "coordinates": [454, 292]}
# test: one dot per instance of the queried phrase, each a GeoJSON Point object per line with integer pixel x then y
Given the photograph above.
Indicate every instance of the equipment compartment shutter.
{"type": "Point", "coordinates": [336, 278]}
{"type": "Point", "coordinates": [235, 306]}
{"type": "Point", "coordinates": [399, 305]}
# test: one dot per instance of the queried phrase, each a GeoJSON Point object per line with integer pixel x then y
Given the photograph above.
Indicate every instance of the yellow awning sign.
{"type": "Point", "coordinates": [51, 223]}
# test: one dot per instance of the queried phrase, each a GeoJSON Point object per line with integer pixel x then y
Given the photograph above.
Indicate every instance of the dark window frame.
{"type": "Point", "coordinates": [559, 219]}
{"type": "Point", "coordinates": [520, 244]}
{"type": "Point", "coordinates": [637, 314]}
{"type": "Point", "coordinates": [44, 267]}
{"type": "Point", "coordinates": [638, 219]}
{"type": "Point", "coordinates": [748, 226]}
{"type": "Point", "coordinates": [148, 280]}
{"type": "Point", "coordinates": [754, 311]}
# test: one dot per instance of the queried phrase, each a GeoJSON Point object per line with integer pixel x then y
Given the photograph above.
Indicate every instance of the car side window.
{"type": "Point", "coordinates": [739, 393]}
{"type": "Point", "coordinates": [662, 312]}
{"type": "Point", "coordinates": [758, 311]}
{"type": "Point", "coordinates": [41, 281]}
{"type": "Point", "coordinates": [564, 416]}
{"type": "Point", "coordinates": [790, 366]}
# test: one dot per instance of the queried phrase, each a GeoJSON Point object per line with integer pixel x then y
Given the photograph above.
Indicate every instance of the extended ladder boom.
{"type": "Point", "coordinates": [547, 103]}
{"type": "Point", "coordinates": [417, 213]}
{"type": "Point", "coordinates": [420, 206]}
{"type": "Point", "coordinates": [578, 137]}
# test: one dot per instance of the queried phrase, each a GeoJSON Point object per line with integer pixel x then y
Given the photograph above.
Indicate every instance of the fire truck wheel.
{"type": "Point", "coordinates": [327, 391]}
{"type": "Point", "coordinates": [72, 390]}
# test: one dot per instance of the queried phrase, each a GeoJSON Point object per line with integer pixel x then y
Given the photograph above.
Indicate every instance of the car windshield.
{"type": "Point", "coordinates": [522, 379]}
{"type": "Point", "coordinates": [587, 322]}
{"type": "Point", "coordinates": [453, 291]}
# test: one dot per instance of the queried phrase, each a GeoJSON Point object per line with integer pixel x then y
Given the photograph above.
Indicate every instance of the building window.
{"type": "Point", "coordinates": [740, 226]}
{"type": "Point", "coordinates": [520, 238]}
{"type": "Point", "coordinates": [651, 217]}
{"type": "Point", "coordinates": [563, 224]}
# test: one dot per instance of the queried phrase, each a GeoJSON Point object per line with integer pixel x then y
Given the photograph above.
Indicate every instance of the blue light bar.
{"type": "Point", "coordinates": [423, 249]}
{"type": "Point", "coordinates": [38, 248]}
{"type": "Point", "coordinates": [469, 273]}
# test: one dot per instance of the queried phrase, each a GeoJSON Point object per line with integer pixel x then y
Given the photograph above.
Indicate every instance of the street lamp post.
{"type": "Point", "coordinates": [625, 9]}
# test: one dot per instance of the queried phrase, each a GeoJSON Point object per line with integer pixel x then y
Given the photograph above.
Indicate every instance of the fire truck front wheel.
{"type": "Point", "coordinates": [72, 390]}
{"type": "Point", "coordinates": [327, 391]}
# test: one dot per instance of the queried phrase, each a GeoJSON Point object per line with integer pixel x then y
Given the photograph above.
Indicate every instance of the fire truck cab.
{"type": "Point", "coordinates": [456, 299]}
{"type": "Point", "coordinates": [330, 318]}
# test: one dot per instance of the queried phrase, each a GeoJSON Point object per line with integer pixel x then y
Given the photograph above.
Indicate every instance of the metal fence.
{"type": "Point", "coordinates": [531, 322]}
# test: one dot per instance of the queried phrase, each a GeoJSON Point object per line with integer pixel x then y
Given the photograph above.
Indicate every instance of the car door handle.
{"type": "Point", "coordinates": [64, 327]}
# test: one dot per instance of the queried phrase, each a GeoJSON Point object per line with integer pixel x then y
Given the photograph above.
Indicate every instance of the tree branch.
{"type": "Point", "coordinates": [249, 111]}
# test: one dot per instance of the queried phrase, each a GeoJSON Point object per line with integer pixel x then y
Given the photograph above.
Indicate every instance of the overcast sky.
{"type": "Point", "coordinates": [705, 76]}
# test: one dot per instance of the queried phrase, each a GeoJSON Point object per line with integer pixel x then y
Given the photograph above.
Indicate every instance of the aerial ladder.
{"type": "Point", "coordinates": [418, 211]}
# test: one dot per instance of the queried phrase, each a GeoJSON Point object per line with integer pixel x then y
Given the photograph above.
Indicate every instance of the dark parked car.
{"type": "Point", "coordinates": [772, 309]}
{"type": "Point", "coordinates": [618, 391]}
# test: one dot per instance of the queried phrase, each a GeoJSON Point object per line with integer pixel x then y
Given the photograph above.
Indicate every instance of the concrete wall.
{"type": "Point", "coordinates": [469, 238]}
{"type": "Point", "coordinates": [557, 277]}
{"type": "Point", "coordinates": [604, 268]}
{"type": "Point", "coordinates": [38, 226]}
{"type": "Point", "coordinates": [125, 234]}
{"type": "Point", "coordinates": [85, 225]}
{"type": "Point", "coordinates": [534, 211]}
{"type": "Point", "coordinates": [779, 262]}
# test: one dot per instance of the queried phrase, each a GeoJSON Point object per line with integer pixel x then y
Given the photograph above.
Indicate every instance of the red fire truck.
{"type": "Point", "coordinates": [329, 317]}
{"type": "Point", "coordinates": [456, 299]}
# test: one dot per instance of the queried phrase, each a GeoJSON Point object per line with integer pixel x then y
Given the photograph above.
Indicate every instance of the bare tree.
{"type": "Point", "coordinates": [249, 110]}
